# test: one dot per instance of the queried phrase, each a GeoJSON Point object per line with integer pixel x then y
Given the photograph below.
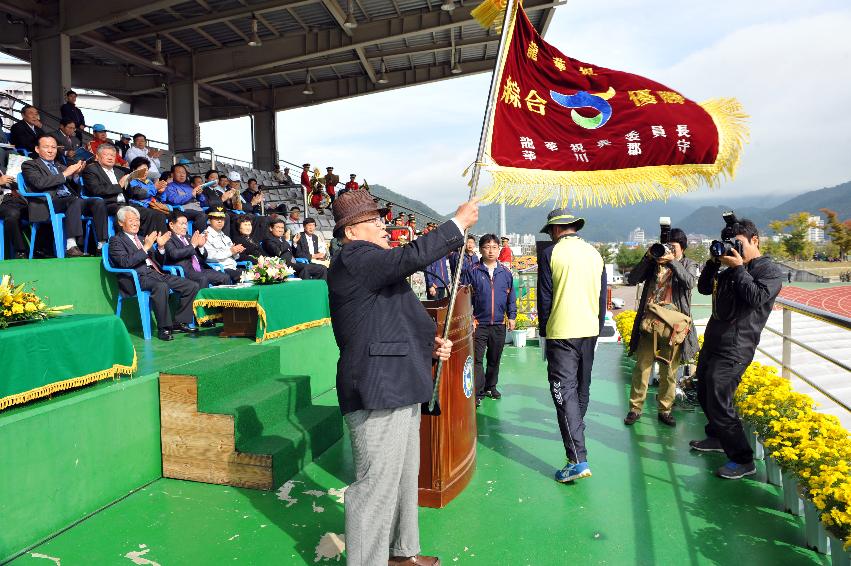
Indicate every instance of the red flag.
{"type": "Point", "coordinates": [588, 135]}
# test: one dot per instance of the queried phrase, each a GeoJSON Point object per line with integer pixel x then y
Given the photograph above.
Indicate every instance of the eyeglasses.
{"type": "Point", "coordinates": [378, 221]}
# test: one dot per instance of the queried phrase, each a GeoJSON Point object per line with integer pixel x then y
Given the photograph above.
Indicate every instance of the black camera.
{"type": "Point", "coordinates": [728, 241]}
{"type": "Point", "coordinates": [662, 247]}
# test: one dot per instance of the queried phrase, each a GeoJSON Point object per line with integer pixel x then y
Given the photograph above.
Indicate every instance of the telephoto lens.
{"type": "Point", "coordinates": [718, 248]}
{"type": "Point", "coordinates": [657, 250]}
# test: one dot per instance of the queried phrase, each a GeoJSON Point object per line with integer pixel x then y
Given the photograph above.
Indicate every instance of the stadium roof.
{"type": "Point", "coordinates": [406, 42]}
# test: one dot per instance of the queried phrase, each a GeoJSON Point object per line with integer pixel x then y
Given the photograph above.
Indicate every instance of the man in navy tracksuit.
{"type": "Point", "coordinates": [493, 297]}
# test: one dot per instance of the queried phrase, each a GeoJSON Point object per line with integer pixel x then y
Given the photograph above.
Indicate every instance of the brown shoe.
{"type": "Point", "coordinates": [631, 417]}
{"type": "Point", "coordinates": [417, 560]}
{"type": "Point", "coordinates": [668, 419]}
{"type": "Point", "coordinates": [74, 252]}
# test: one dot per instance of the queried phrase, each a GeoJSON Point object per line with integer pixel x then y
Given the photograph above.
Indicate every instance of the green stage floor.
{"type": "Point", "coordinates": [650, 501]}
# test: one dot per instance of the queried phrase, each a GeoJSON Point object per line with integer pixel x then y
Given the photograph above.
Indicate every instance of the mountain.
{"type": "Point", "coordinates": [401, 203]}
{"type": "Point", "coordinates": [707, 219]}
{"type": "Point", "coordinates": [692, 215]}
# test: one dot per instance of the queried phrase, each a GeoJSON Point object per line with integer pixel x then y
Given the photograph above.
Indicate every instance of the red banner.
{"type": "Point", "coordinates": [557, 113]}
{"type": "Point", "coordinates": [556, 116]}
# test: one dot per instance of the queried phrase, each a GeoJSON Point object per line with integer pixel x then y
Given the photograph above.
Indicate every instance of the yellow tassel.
{"type": "Point", "coordinates": [489, 12]}
{"type": "Point", "coordinates": [619, 187]}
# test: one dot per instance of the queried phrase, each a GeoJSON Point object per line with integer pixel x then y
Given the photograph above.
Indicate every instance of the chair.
{"type": "Point", "coordinates": [219, 267]}
{"type": "Point", "coordinates": [2, 240]}
{"type": "Point", "coordinates": [54, 219]}
{"type": "Point", "coordinates": [144, 297]}
{"type": "Point", "coordinates": [89, 220]}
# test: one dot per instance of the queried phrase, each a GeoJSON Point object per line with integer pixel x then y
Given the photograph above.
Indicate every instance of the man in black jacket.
{"type": "Point", "coordinates": [742, 297]}
{"type": "Point", "coordinates": [44, 175]}
{"type": "Point", "coordinates": [111, 183]}
{"type": "Point", "coordinates": [277, 246]}
{"type": "Point", "coordinates": [12, 208]}
{"type": "Point", "coordinates": [387, 344]}
{"type": "Point", "coordinates": [189, 253]}
{"type": "Point", "coordinates": [25, 133]}
{"type": "Point", "coordinates": [307, 244]}
{"type": "Point", "coordinates": [128, 251]}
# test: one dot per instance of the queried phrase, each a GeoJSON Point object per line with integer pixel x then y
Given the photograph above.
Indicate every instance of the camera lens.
{"type": "Point", "coordinates": [657, 250]}
{"type": "Point", "coordinates": [717, 249]}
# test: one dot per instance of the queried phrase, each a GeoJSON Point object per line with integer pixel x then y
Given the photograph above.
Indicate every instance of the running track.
{"type": "Point", "coordinates": [833, 299]}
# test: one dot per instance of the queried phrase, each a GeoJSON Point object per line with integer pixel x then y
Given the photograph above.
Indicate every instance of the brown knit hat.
{"type": "Point", "coordinates": [353, 207]}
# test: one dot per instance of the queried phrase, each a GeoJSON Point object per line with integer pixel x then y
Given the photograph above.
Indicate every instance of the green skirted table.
{"type": "Point", "coordinates": [41, 358]}
{"type": "Point", "coordinates": [281, 309]}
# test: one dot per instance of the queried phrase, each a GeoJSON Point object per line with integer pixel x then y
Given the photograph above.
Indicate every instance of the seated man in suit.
{"type": "Point", "coordinates": [308, 244]}
{"type": "Point", "coordinates": [127, 251]}
{"type": "Point", "coordinates": [66, 141]}
{"type": "Point", "coordinates": [189, 253]}
{"type": "Point", "coordinates": [106, 180]}
{"type": "Point", "coordinates": [277, 246]}
{"type": "Point", "coordinates": [12, 207]}
{"type": "Point", "coordinates": [25, 133]}
{"type": "Point", "coordinates": [44, 175]}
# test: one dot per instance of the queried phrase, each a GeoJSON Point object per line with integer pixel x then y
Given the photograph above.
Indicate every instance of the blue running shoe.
{"type": "Point", "coordinates": [573, 472]}
{"type": "Point", "coordinates": [734, 471]}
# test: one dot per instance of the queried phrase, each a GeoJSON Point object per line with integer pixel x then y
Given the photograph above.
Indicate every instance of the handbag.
{"type": "Point", "coordinates": [667, 325]}
{"type": "Point", "coordinates": [158, 206]}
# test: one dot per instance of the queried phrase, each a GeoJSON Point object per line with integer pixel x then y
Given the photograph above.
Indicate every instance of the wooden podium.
{"type": "Point", "coordinates": [448, 441]}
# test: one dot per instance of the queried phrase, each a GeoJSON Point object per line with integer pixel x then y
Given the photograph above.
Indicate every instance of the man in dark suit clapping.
{"type": "Point", "coordinates": [188, 252]}
{"type": "Point", "coordinates": [307, 244]}
{"type": "Point", "coordinates": [128, 251]}
{"type": "Point", "coordinates": [44, 175]}
{"type": "Point", "coordinates": [387, 344]}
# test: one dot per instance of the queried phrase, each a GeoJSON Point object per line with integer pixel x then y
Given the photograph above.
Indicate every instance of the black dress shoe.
{"type": "Point", "coordinates": [165, 335]}
{"type": "Point", "coordinates": [186, 329]}
{"type": "Point", "coordinates": [478, 402]}
{"type": "Point", "coordinates": [74, 252]}
{"type": "Point", "coordinates": [208, 324]}
{"type": "Point", "coordinates": [493, 393]}
{"type": "Point", "coordinates": [21, 255]}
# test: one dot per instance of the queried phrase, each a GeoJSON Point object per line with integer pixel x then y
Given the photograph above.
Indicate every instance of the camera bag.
{"type": "Point", "coordinates": [667, 325]}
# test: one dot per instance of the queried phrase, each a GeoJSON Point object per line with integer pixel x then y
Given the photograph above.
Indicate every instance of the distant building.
{"type": "Point", "coordinates": [637, 236]}
{"type": "Point", "coordinates": [815, 233]}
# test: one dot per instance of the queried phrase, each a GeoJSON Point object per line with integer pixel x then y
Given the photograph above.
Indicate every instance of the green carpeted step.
{"type": "Point", "coordinates": [230, 372]}
{"type": "Point", "coordinates": [297, 441]}
{"type": "Point", "coordinates": [264, 404]}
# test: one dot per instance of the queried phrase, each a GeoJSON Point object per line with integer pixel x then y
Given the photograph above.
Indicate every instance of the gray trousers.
{"type": "Point", "coordinates": [381, 505]}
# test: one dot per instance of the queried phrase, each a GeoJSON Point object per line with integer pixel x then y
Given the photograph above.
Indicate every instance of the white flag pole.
{"type": "Point", "coordinates": [504, 42]}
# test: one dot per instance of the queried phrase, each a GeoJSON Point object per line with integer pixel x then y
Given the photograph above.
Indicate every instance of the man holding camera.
{"type": "Point", "coordinates": [742, 297]}
{"type": "Point", "coordinates": [668, 278]}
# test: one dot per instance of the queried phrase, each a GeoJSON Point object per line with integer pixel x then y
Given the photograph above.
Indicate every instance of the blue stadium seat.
{"type": "Point", "coordinates": [2, 240]}
{"type": "Point", "coordinates": [89, 220]}
{"type": "Point", "coordinates": [55, 220]}
{"type": "Point", "coordinates": [144, 297]}
{"type": "Point", "coordinates": [219, 267]}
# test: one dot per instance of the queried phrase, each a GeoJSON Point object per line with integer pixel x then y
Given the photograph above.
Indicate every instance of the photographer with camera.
{"type": "Point", "coordinates": [668, 278]}
{"type": "Point", "coordinates": [743, 294]}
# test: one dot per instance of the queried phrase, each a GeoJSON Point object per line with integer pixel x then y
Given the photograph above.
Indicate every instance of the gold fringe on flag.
{"type": "Point", "coordinates": [620, 187]}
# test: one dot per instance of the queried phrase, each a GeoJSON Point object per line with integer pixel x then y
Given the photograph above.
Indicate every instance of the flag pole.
{"type": "Point", "coordinates": [504, 42]}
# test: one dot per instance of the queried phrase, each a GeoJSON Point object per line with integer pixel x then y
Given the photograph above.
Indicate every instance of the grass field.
{"type": "Point", "coordinates": [823, 268]}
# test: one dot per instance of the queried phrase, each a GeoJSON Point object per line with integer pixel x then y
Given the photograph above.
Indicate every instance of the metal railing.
{"type": "Point", "coordinates": [785, 333]}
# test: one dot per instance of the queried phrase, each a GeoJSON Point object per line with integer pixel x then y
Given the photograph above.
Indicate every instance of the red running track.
{"type": "Point", "coordinates": [832, 299]}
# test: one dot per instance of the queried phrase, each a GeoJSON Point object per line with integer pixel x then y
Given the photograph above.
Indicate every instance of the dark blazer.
{"type": "Point", "coordinates": [301, 249]}
{"type": "Point", "coordinates": [384, 333]}
{"type": "Point", "coordinates": [67, 143]}
{"type": "Point", "coordinates": [176, 253]}
{"type": "Point", "coordinates": [273, 247]}
{"type": "Point", "coordinates": [98, 184]}
{"type": "Point", "coordinates": [39, 179]}
{"type": "Point", "coordinates": [124, 254]}
{"type": "Point", "coordinates": [21, 135]}
{"type": "Point", "coordinates": [252, 248]}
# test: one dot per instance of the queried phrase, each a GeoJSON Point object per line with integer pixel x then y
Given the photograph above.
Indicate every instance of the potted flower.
{"type": "Point", "coordinates": [521, 323]}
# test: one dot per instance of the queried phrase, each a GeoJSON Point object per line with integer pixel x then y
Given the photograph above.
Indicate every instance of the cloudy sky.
{"type": "Point", "coordinates": [788, 62]}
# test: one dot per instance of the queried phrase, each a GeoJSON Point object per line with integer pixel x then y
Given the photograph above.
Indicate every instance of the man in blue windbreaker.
{"type": "Point", "coordinates": [493, 298]}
